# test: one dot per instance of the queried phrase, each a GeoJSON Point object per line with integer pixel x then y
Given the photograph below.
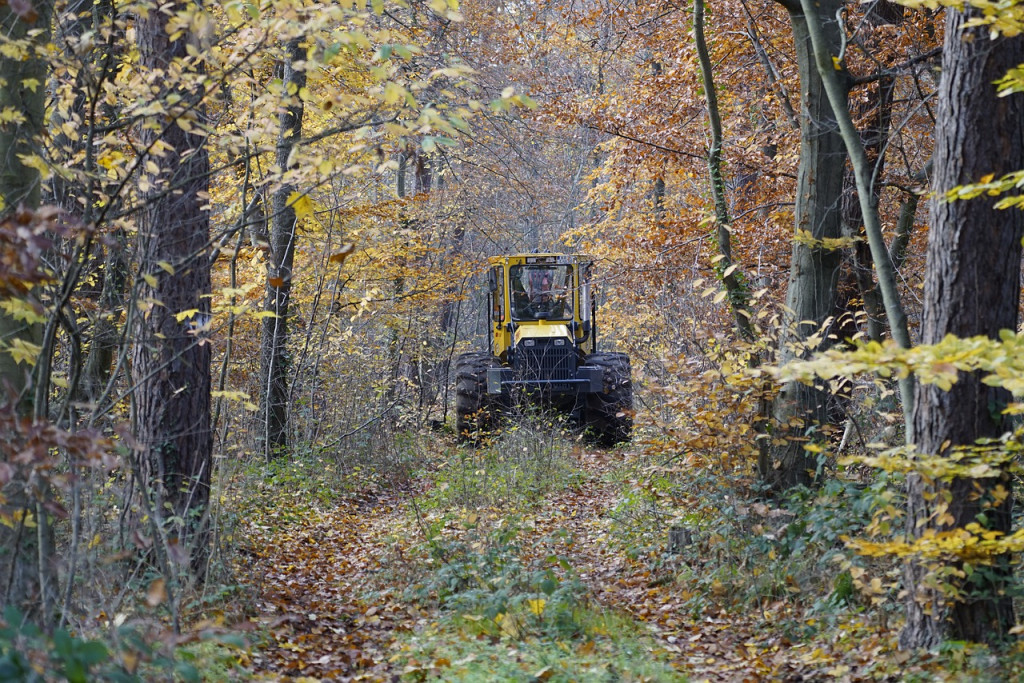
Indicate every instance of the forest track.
{"type": "Point", "coordinates": [323, 597]}
{"type": "Point", "coordinates": [706, 647]}
{"type": "Point", "coordinates": [311, 576]}
{"type": "Point", "coordinates": [723, 641]}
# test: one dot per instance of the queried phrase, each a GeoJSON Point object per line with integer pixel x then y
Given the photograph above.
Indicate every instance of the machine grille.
{"type": "Point", "coordinates": [545, 360]}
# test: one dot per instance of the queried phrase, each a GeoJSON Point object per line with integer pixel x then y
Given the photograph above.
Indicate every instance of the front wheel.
{"type": "Point", "coordinates": [609, 413]}
{"type": "Point", "coordinates": [475, 410]}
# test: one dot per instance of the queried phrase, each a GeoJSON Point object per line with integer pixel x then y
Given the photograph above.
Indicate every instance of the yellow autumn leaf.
{"type": "Point", "coordinates": [15, 518]}
{"type": "Point", "coordinates": [393, 93]}
{"type": "Point", "coordinates": [301, 203]}
{"type": "Point", "coordinates": [36, 163]}
{"type": "Point", "coordinates": [537, 606]}
{"type": "Point", "coordinates": [19, 309]}
{"type": "Point", "coordinates": [230, 395]}
{"type": "Point", "coordinates": [24, 351]}
{"type": "Point", "coordinates": [110, 159]}
{"type": "Point", "coordinates": [16, 51]}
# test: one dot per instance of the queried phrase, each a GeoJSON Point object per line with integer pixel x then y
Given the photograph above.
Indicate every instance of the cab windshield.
{"type": "Point", "coordinates": [541, 292]}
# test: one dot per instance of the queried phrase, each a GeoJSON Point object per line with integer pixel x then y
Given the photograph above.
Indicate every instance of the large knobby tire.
{"type": "Point", "coordinates": [475, 411]}
{"type": "Point", "coordinates": [609, 417]}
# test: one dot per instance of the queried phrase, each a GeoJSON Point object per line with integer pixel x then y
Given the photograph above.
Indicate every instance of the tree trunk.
{"type": "Point", "coordinates": [731, 276]}
{"type": "Point", "coordinates": [874, 138]}
{"type": "Point", "coordinates": [27, 566]}
{"type": "Point", "coordinates": [972, 287]}
{"type": "Point", "coordinates": [863, 174]}
{"type": "Point", "coordinates": [799, 410]}
{"type": "Point", "coordinates": [171, 360]}
{"type": "Point", "coordinates": [20, 184]}
{"type": "Point", "coordinates": [106, 337]}
{"type": "Point", "coordinates": [877, 108]}
{"type": "Point", "coordinates": [98, 66]}
{"type": "Point", "coordinates": [274, 349]}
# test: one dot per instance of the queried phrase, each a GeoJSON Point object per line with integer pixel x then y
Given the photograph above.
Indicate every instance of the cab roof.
{"type": "Point", "coordinates": [546, 258]}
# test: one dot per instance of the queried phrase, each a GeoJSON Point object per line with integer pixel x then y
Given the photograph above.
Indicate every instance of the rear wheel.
{"type": "Point", "coordinates": [475, 410]}
{"type": "Point", "coordinates": [609, 413]}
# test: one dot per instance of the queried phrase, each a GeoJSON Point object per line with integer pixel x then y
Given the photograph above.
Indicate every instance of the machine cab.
{"type": "Point", "coordinates": [540, 295]}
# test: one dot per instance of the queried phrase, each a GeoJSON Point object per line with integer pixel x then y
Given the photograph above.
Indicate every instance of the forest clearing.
{"type": "Point", "coordinates": [561, 340]}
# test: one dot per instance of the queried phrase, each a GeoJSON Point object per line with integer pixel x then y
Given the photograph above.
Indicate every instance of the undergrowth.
{"type": "Point", "coordinates": [519, 467]}
{"type": "Point", "coordinates": [788, 559]}
{"type": "Point", "coordinates": [741, 552]}
{"type": "Point", "coordinates": [129, 652]}
{"type": "Point", "coordinates": [612, 650]}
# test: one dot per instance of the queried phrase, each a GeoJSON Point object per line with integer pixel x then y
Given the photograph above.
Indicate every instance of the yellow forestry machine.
{"type": "Point", "coordinates": [543, 348]}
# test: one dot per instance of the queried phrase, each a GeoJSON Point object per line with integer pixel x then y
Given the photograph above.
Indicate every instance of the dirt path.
{"type": "Point", "coordinates": [709, 647]}
{"type": "Point", "coordinates": [314, 574]}
{"type": "Point", "coordinates": [717, 643]}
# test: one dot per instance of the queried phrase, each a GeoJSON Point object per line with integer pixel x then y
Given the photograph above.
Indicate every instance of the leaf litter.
{"type": "Point", "coordinates": [329, 609]}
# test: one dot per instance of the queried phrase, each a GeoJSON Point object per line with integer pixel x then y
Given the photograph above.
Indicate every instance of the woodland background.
{"type": "Point", "coordinates": [242, 243]}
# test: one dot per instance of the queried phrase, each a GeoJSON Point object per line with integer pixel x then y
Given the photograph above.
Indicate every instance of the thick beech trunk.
{"type": "Point", "coordinates": [171, 362]}
{"type": "Point", "coordinates": [863, 174]}
{"type": "Point", "coordinates": [972, 286]}
{"type": "Point", "coordinates": [801, 410]}
{"type": "Point", "coordinates": [876, 108]}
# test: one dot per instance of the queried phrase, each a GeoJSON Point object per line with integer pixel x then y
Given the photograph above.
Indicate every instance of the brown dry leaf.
{"type": "Point", "coordinates": [340, 256]}
{"type": "Point", "coordinates": [156, 594]}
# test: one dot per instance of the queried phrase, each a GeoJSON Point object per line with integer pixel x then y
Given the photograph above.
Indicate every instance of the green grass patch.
{"type": "Point", "coordinates": [508, 612]}
{"type": "Point", "coordinates": [311, 477]}
{"type": "Point", "coordinates": [468, 647]}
